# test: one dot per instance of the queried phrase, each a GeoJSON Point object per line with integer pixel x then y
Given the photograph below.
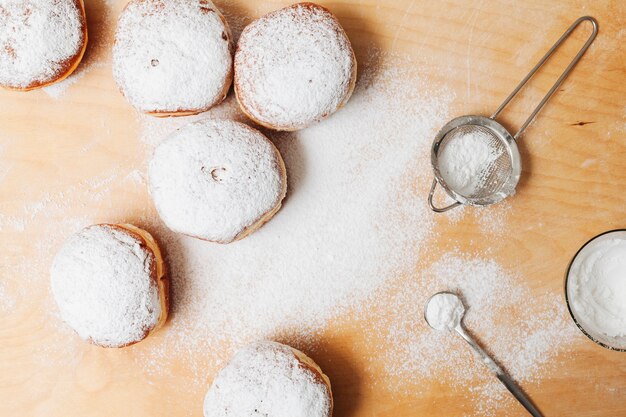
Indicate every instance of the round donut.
{"type": "Point", "coordinates": [217, 180]}
{"type": "Point", "coordinates": [269, 379]}
{"type": "Point", "coordinates": [109, 283]}
{"type": "Point", "coordinates": [41, 41]}
{"type": "Point", "coordinates": [293, 67]}
{"type": "Point", "coordinates": [172, 58]}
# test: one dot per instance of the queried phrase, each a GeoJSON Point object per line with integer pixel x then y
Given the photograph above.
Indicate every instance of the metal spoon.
{"type": "Point", "coordinates": [487, 360]}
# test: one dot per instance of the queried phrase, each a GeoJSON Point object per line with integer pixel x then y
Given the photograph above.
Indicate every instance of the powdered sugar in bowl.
{"type": "Point", "coordinates": [595, 289]}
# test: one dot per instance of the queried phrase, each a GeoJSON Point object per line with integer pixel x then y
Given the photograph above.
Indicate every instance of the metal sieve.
{"type": "Point", "coordinates": [499, 177]}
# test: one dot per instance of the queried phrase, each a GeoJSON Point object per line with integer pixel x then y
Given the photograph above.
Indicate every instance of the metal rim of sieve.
{"type": "Point", "coordinates": [498, 131]}
{"type": "Point", "coordinates": [604, 343]}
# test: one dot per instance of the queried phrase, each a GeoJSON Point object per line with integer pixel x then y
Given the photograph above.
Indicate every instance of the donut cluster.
{"type": "Point", "coordinates": [216, 180]}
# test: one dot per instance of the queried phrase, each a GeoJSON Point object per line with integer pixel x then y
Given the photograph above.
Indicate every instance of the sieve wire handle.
{"type": "Point", "coordinates": [432, 205]}
{"type": "Point", "coordinates": [542, 61]}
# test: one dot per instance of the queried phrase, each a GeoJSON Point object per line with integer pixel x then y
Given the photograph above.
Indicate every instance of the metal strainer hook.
{"type": "Point", "coordinates": [493, 176]}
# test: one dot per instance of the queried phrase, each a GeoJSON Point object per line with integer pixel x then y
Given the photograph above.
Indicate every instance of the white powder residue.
{"type": "Point", "coordinates": [37, 38]}
{"type": "Point", "coordinates": [137, 177]}
{"type": "Point", "coordinates": [444, 311]}
{"type": "Point", "coordinates": [154, 129]}
{"type": "Point", "coordinates": [465, 160]}
{"type": "Point", "coordinates": [5, 165]}
{"type": "Point", "coordinates": [55, 205]}
{"type": "Point", "coordinates": [597, 286]}
{"type": "Point", "coordinates": [59, 89]}
{"type": "Point", "coordinates": [349, 203]}
{"type": "Point", "coordinates": [7, 298]}
{"type": "Point", "coordinates": [524, 331]}
{"type": "Point", "coordinates": [588, 163]}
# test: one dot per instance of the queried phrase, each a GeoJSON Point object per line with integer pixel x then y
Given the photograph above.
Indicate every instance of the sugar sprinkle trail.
{"type": "Point", "coordinates": [523, 330]}
{"type": "Point", "coordinates": [339, 219]}
{"type": "Point", "coordinates": [7, 299]}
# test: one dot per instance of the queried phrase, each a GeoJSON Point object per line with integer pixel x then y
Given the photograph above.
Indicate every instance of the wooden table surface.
{"type": "Point", "coordinates": [573, 187]}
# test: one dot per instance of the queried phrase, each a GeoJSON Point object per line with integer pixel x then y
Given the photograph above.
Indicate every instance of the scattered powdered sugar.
{"type": "Point", "coordinates": [444, 311]}
{"type": "Point", "coordinates": [597, 286]}
{"type": "Point", "coordinates": [349, 203]}
{"type": "Point", "coordinates": [37, 38]}
{"type": "Point", "coordinates": [58, 90]}
{"type": "Point", "coordinates": [172, 56]}
{"type": "Point", "coordinates": [523, 330]}
{"type": "Point", "coordinates": [154, 130]}
{"type": "Point", "coordinates": [101, 280]}
{"type": "Point", "coordinates": [293, 66]}
{"type": "Point", "coordinates": [267, 379]}
{"type": "Point", "coordinates": [7, 298]}
{"type": "Point", "coordinates": [214, 179]}
{"type": "Point", "coordinates": [355, 217]}
{"type": "Point", "coordinates": [466, 160]}
{"type": "Point", "coordinates": [55, 205]}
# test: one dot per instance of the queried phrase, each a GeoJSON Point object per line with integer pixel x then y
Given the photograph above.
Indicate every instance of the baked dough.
{"type": "Point", "coordinates": [41, 42]}
{"type": "Point", "coordinates": [269, 379]}
{"type": "Point", "coordinates": [217, 180]}
{"type": "Point", "coordinates": [293, 67]}
{"type": "Point", "coordinates": [172, 58]}
{"type": "Point", "coordinates": [110, 285]}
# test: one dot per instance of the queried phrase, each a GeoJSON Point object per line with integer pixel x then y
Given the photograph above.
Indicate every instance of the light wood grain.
{"type": "Point", "coordinates": [574, 176]}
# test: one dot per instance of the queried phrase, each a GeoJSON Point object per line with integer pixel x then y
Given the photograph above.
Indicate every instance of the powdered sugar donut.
{"type": "Point", "coordinates": [293, 67]}
{"type": "Point", "coordinates": [109, 283]}
{"type": "Point", "coordinates": [269, 379]}
{"type": "Point", "coordinates": [172, 57]}
{"type": "Point", "coordinates": [41, 41]}
{"type": "Point", "coordinates": [217, 180]}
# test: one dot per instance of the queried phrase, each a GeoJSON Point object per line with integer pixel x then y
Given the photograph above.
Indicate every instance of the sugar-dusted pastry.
{"type": "Point", "coordinates": [269, 379]}
{"type": "Point", "coordinates": [293, 67]}
{"type": "Point", "coordinates": [174, 57]}
{"type": "Point", "coordinates": [217, 180]}
{"type": "Point", "coordinates": [110, 285]}
{"type": "Point", "coordinates": [41, 42]}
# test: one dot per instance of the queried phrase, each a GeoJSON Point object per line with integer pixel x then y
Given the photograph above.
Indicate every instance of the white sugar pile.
{"type": "Point", "coordinates": [524, 331]}
{"type": "Point", "coordinates": [349, 201]}
{"type": "Point", "coordinates": [597, 286]}
{"type": "Point", "coordinates": [466, 160]}
{"type": "Point", "coordinates": [444, 311]}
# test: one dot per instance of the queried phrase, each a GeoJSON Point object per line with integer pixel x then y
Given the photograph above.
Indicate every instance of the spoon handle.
{"type": "Point", "coordinates": [502, 376]}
